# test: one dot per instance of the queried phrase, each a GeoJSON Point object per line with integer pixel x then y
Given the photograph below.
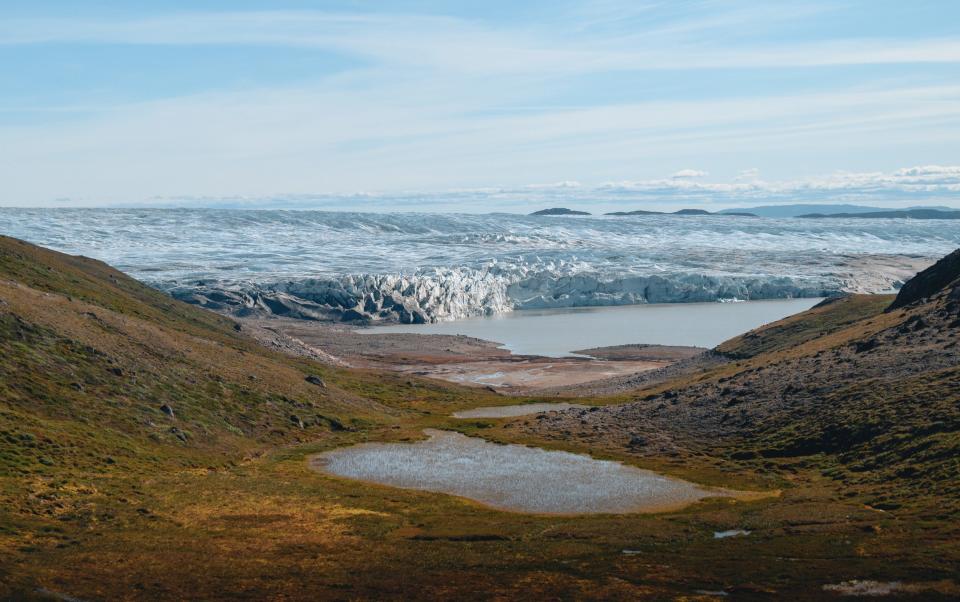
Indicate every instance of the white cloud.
{"type": "Point", "coordinates": [897, 188]}
{"type": "Point", "coordinates": [433, 105]}
{"type": "Point", "coordinates": [684, 174]}
{"type": "Point", "coordinates": [456, 44]}
{"type": "Point", "coordinates": [950, 172]}
{"type": "Point", "coordinates": [941, 182]}
{"type": "Point", "coordinates": [339, 136]}
{"type": "Point", "coordinates": [565, 184]}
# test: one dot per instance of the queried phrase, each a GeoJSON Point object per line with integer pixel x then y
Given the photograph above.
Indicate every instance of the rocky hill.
{"type": "Point", "coordinates": [559, 211]}
{"type": "Point", "coordinates": [942, 275]}
{"type": "Point", "coordinates": [893, 214]}
{"type": "Point", "coordinates": [866, 390]}
{"type": "Point", "coordinates": [129, 419]}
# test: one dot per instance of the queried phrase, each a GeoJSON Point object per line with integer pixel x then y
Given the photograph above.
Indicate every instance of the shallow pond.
{"type": "Point", "coordinates": [730, 533]}
{"type": "Point", "coordinates": [557, 332]}
{"type": "Point", "coordinates": [515, 410]}
{"type": "Point", "coordinates": [511, 477]}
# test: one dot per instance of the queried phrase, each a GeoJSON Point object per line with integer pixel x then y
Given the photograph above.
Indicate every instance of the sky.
{"type": "Point", "coordinates": [472, 106]}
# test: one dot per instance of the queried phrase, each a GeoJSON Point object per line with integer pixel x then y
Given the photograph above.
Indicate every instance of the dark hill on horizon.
{"type": "Point", "coordinates": [559, 211]}
{"type": "Point", "coordinates": [895, 214]}
{"type": "Point", "coordinates": [801, 209]}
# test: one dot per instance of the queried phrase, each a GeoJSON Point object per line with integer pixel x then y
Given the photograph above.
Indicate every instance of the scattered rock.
{"type": "Point", "coordinates": [116, 371]}
{"type": "Point", "coordinates": [352, 315]}
{"type": "Point", "coordinates": [865, 587]}
{"type": "Point", "coordinates": [167, 410]}
{"type": "Point", "coordinates": [316, 380]}
{"type": "Point", "coordinates": [335, 425]}
{"type": "Point", "coordinates": [296, 420]}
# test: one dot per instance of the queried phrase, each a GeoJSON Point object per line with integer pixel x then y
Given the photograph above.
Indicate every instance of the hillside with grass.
{"type": "Point", "coordinates": [150, 450]}
{"type": "Point", "coordinates": [864, 389]}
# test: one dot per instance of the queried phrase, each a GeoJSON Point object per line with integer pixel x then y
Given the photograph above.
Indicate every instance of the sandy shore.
{"type": "Point", "coordinates": [461, 359]}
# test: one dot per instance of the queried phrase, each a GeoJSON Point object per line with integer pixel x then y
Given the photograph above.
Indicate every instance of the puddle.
{"type": "Point", "coordinates": [730, 533]}
{"type": "Point", "coordinates": [864, 587]}
{"type": "Point", "coordinates": [515, 410]}
{"type": "Point", "coordinates": [512, 477]}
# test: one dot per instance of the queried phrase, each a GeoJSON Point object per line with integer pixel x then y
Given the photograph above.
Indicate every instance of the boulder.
{"type": "Point", "coordinates": [316, 380]}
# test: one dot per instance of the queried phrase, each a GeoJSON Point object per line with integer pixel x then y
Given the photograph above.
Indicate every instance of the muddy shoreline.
{"type": "Point", "coordinates": [465, 360]}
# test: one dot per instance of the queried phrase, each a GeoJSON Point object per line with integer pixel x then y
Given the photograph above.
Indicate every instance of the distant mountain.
{"type": "Point", "coordinates": [637, 212]}
{"type": "Point", "coordinates": [801, 209]}
{"type": "Point", "coordinates": [559, 211]}
{"type": "Point", "coordinates": [691, 212]}
{"type": "Point", "coordinates": [806, 209]}
{"type": "Point", "coordinates": [904, 214]}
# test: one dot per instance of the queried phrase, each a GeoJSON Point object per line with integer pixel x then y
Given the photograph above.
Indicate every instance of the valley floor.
{"type": "Point", "coordinates": [271, 528]}
{"type": "Point", "coordinates": [462, 359]}
{"type": "Point", "coordinates": [152, 450]}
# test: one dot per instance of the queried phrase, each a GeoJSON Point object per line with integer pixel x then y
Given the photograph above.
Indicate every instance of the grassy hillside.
{"type": "Point", "coordinates": [149, 450]}
{"type": "Point", "coordinates": [866, 396]}
{"type": "Point", "coordinates": [825, 318]}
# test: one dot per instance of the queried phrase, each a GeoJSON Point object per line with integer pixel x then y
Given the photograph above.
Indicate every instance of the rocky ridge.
{"type": "Point", "coordinates": [873, 398]}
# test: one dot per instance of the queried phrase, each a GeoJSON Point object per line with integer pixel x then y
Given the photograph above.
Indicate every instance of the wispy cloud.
{"type": "Point", "coordinates": [592, 92]}
{"type": "Point", "coordinates": [465, 45]}
{"type": "Point", "coordinates": [685, 174]}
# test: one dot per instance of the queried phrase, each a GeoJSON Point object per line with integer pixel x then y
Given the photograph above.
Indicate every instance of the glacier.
{"type": "Point", "coordinates": [417, 267]}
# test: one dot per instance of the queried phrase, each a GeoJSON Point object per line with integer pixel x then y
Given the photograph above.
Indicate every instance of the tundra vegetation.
{"type": "Point", "coordinates": [150, 450]}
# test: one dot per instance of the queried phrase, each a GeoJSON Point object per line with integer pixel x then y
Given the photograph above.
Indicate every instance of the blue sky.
{"type": "Point", "coordinates": [473, 105]}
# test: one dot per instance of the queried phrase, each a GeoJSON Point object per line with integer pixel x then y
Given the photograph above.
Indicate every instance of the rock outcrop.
{"type": "Point", "coordinates": [930, 281]}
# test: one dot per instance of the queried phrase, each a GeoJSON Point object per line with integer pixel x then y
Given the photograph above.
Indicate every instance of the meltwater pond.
{"type": "Point", "coordinates": [512, 477]}
{"type": "Point", "coordinates": [558, 332]}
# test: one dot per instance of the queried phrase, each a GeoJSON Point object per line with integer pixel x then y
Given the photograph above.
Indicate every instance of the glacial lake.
{"type": "Point", "coordinates": [512, 477]}
{"type": "Point", "coordinates": [558, 332]}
